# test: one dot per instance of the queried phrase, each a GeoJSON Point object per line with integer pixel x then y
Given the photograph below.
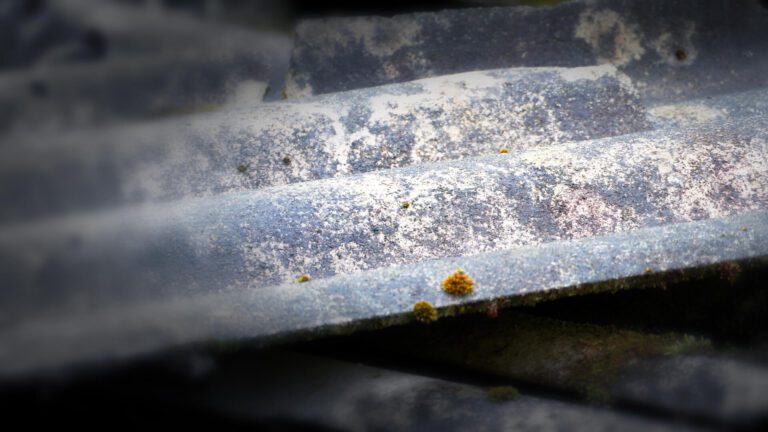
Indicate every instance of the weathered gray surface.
{"type": "Point", "coordinates": [71, 31]}
{"type": "Point", "coordinates": [437, 119]}
{"type": "Point", "coordinates": [153, 63]}
{"type": "Point", "coordinates": [63, 97]}
{"type": "Point", "coordinates": [353, 223]}
{"type": "Point", "coordinates": [216, 246]}
{"type": "Point", "coordinates": [345, 396]}
{"type": "Point", "coordinates": [181, 298]}
{"type": "Point", "coordinates": [716, 388]}
{"type": "Point", "coordinates": [556, 219]}
{"type": "Point", "coordinates": [641, 38]}
{"type": "Point", "coordinates": [101, 62]}
{"type": "Point", "coordinates": [698, 111]}
{"type": "Point", "coordinates": [29, 32]}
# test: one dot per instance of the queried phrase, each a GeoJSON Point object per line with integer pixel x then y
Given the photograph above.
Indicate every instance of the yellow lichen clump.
{"type": "Point", "coordinates": [424, 311]}
{"type": "Point", "coordinates": [303, 278]}
{"type": "Point", "coordinates": [503, 150]}
{"type": "Point", "coordinates": [405, 204]}
{"type": "Point", "coordinates": [459, 283]}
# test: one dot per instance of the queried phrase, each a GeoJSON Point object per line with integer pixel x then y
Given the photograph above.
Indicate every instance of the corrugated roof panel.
{"type": "Point", "coordinates": [125, 241]}
{"type": "Point", "coordinates": [272, 144]}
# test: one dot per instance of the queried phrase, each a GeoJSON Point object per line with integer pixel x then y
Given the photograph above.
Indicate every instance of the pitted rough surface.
{"type": "Point", "coordinates": [355, 223]}
{"type": "Point", "coordinates": [671, 49]}
{"type": "Point", "coordinates": [184, 232]}
{"type": "Point", "coordinates": [437, 119]}
{"type": "Point", "coordinates": [559, 192]}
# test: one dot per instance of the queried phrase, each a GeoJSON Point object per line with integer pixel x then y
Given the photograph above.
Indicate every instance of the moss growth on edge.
{"type": "Point", "coordinates": [424, 311]}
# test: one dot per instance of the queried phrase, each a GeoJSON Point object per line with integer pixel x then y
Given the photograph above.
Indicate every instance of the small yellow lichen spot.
{"type": "Point", "coordinates": [459, 283]}
{"type": "Point", "coordinates": [405, 204]}
{"type": "Point", "coordinates": [303, 278]}
{"type": "Point", "coordinates": [241, 168]}
{"type": "Point", "coordinates": [424, 311]}
{"type": "Point", "coordinates": [648, 270]}
{"type": "Point", "coordinates": [503, 150]}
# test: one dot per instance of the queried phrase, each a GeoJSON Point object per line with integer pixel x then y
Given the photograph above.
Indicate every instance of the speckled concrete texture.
{"type": "Point", "coordinates": [636, 149]}
{"type": "Point", "coordinates": [167, 298]}
{"type": "Point", "coordinates": [280, 143]}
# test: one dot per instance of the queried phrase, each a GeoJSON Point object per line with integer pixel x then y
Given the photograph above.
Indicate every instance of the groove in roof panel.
{"type": "Point", "coordinates": [351, 396]}
{"type": "Point", "coordinates": [62, 97]}
{"type": "Point", "coordinates": [607, 363]}
{"type": "Point", "coordinates": [79, 31]}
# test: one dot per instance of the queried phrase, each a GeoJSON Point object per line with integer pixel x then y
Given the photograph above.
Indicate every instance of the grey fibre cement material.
{"type": "Point", "coordinates": [372, 299]}
{"type": "Point", "coordinates": [139, 257]}
{"type": "Point", "coordinates": [272, 144]}
{"type": "Point", "coordinates": [672, 50]}
{"type": "Point", "coordinates": [748, 103]}
{"type": "Point", "coordinates": [59, 98]}
{"type": "Point", "coordinates": [354, 223]}
{"type": "Point", "coordinates": [175, 276]}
